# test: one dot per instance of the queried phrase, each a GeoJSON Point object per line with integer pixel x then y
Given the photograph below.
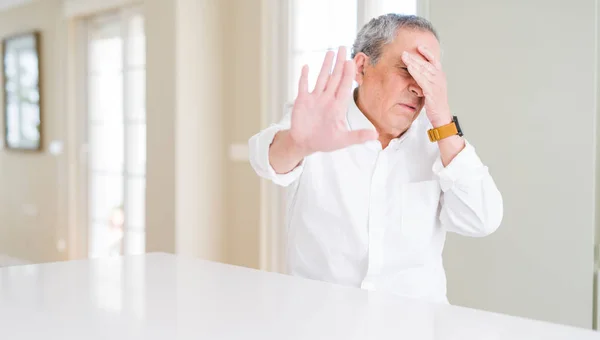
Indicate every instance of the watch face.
{"type": "Point", "coordinates": [455, 119]}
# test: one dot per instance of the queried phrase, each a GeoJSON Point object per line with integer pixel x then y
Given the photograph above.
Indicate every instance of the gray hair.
{"type": "Point", "coordinates": [382, 30]}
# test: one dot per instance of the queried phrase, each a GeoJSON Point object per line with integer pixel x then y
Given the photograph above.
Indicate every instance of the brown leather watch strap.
{"type": "Point", "coordinates": [442, 132]}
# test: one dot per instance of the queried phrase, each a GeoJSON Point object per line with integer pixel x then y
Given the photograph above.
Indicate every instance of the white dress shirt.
{"type": "Point", "coordinates": [377, 219]}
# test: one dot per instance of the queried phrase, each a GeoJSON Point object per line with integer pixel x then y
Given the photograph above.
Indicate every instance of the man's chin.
{"type": "Point", "coordinates": [398, 130]}
{"type": "Point", "coordinates": [401, 123]}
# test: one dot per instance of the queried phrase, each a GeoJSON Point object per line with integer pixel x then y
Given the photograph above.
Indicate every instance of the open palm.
{"type": "Point", "coordinates": [319, 117]}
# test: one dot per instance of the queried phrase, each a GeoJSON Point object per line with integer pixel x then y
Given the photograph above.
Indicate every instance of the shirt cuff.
{"type": "Point", "coordinates": [465, 164]}
{"type": "Point", "coordinates": [280, 179]}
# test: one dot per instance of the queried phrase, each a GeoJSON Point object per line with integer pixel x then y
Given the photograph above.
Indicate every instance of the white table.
{"type": "Point", "coordinates": [160, 296]}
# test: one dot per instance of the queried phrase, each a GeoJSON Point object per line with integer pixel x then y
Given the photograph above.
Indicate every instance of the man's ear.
{"type": "Point", "coordinates": [360, 60]}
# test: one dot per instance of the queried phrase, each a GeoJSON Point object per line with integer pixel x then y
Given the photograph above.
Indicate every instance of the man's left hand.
{"type": "Point", "coordinates": [427, 72]}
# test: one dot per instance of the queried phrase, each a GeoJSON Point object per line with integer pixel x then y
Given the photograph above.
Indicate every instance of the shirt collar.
{"type": "Point", "coordinates": [356, 119]}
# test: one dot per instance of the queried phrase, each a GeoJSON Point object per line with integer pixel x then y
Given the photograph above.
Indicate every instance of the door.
{"type": "Point", "coordinates": [113, 147]}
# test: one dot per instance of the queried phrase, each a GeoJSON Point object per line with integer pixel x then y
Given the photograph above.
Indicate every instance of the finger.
{"type": "Point", "coordinates": [417, 71]}
{"type": "Point", "coordinates": [345, 88]}
{"type": "Point", "coordinates": [360, 136]}
{"type": "Point", "coordinates": [303, 83]}
{"type": "Point", "coordinates": [334, 80]}
{"type": "Point", "coordinates": [429, 56]}
{"type": "Point", "coordinates": [422, 80]}
{"type": "Point", "coordinates": [421, 64]}
{"type": "Point", "coordinates": [324, 75]}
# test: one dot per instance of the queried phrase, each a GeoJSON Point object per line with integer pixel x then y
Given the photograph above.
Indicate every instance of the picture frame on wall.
{"type": "Point", "coordinates": [22, 92]}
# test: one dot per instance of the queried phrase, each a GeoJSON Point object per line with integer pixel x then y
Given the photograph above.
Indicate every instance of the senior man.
{"type": "Point", "coordinates": [379, 174]}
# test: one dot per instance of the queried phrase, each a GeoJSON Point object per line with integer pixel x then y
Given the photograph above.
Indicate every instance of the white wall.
{"type": "Point", "coordinates": [522, 79]}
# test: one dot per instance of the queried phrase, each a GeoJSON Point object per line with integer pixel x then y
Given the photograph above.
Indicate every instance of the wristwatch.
{"type": "Point", "coordinates": [451, 129]}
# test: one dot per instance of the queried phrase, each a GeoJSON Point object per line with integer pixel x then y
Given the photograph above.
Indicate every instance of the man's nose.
{"type": "Point", "coordinates": [416, 90]}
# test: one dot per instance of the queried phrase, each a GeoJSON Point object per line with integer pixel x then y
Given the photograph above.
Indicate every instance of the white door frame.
{"type": "Point", "coordinates": [77, 127]}
{"type": "Point", "coordinates": [273, 86]}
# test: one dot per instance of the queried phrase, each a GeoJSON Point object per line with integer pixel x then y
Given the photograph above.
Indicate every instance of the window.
{"type": "Point", "coordinates": [317, 26]}
{"type": "Point", "coordinates": [116, 134]}
{"type": "Point", "coordinates": [398, 6]}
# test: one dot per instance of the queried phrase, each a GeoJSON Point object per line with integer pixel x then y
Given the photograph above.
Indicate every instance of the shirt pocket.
{"type": "Point", "coordinates": [420, 212]}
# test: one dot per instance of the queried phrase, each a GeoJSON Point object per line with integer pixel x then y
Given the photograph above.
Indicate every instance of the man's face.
{"type": "Point", "coordinates": [388, 95]}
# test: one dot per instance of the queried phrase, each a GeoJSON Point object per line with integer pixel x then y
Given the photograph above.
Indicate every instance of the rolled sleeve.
{"type": "Point", "coordinates": [259, 146]}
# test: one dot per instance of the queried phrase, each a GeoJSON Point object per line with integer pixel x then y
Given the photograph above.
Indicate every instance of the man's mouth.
{"type": "Point", "coordinates": [409, 106]}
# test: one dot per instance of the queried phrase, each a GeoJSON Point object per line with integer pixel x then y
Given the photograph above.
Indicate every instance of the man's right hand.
{"type": "Point", "coordinates": [318, 121]}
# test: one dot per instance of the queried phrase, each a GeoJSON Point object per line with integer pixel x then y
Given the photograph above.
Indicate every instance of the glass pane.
{"type": "Point", "coordinates": [136, 203]}
{"type": "Point", "coordinates": [28, 73]}
{"type": "Point", "coordinates": [343, 15]}
{"type": "Point", "coordinates": [106, 147]}
{"type": "Point", "coordinates": [105, 240]}
{"type": "Point", "coordinates": [398, 6]}
{"type": "Point", "coordinates": [136, 148]}
{"type": "Point", "coordinates": [105, 50]}
{"type": "Point", "coordinates": [137, 42]}
{"type": "Point", "coordinates": [105, 96]}
{"type": "Point", "coordinates": [136, 94]}
{"type": "Point", "coordinates": [10, 64]}
{"type": "Point", "coordinates": [30, 120]}
{"type": "Point", "coordinates": [322, 24]}
{"type": "Point", "coordinates": [106, 55]}
{"type": "Point", "coordinates": [314, 61]}
{"type": "Point", "coordinates": [13, 123]}
{"type": "Point", "coordinates": [116, 116]}
{"type": "Point", "coordinates": [106, 198]}
{"type": "Point", "coordinates": [135, 242]}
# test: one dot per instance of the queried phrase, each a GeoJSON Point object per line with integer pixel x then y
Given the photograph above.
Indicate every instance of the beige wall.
{"type": "Point", "coordinates": [199, 201]}
{"type": "Point", "coordinates": [185, 101]}
{"type": "Point", "coordinates": [33, 194]}
{"type": "Point", "coordinates": [160, 108]}
{"type": "Point", "coordinates": [243, 119]}
{"type": "Point", "coordinates": [202, 95]}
